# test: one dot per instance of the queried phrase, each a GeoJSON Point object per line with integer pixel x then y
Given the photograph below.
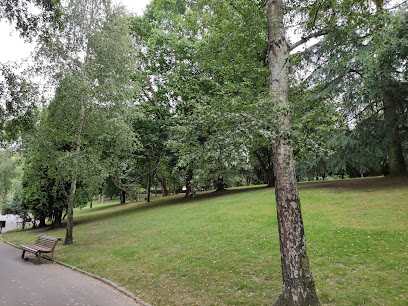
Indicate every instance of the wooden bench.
{"type": "Point", "coordinates": [43, 244]}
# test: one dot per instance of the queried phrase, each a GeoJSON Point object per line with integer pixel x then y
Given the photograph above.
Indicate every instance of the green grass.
{"type": "Point", "coordinates": [225, 249]}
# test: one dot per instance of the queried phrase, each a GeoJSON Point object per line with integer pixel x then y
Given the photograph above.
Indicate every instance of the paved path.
{"type": "Point", "coordinates": [26, 283]}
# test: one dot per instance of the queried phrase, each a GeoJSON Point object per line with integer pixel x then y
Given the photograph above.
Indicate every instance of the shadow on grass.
{"type": "Point", "coordinates": [113, 211]}
{"type": "Point", "coordinates": [358, 183]}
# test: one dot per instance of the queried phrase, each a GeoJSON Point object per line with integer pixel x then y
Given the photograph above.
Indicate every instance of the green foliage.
{"type": "Point", "coordinates": [18, 98]}
{"type": "Point", "coordinates": [28, 22]}
{"type": "Point", "coordinates": [16, 208]}
{"type": "Point", "coordinates": [8, 172]}
{"type": "Point", "coordinates": [18, 103]}
{"type": "Point", "coordinates": [110, 189]}
{"type": "Point", "coordinates": [361, 63]}
{"type": "Point", "coordinates": [46, 183]}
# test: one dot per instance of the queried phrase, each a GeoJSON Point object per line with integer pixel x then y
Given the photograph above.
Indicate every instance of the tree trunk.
{"type": "Point", "coordinates": [70, 209]}
{"type": "Point", "coordinates": [149, 183]}
{"type": "Point", "coordinates": [90, 204]}
{"type": "Point", "coordinates": [220, 184]}
{"type": "Point", "coordinates": [266, 165]}
{"type": "Point", "coordinates": [298, 283]}
{"type": "Point", "coordinates": [123, 187]}
{"type": "Point", "coordinates": [130, 195]}
{"type": "Point", "coordinates": [42, 222]}
{"type": "Point", "coordinates": [189, 177]}
{"type": "Point", "coordinates": [162, 181]}
{"type": "Point", "coordinates": [394, 147]}
{"type": "Point", "coordinates": [270, 177]}
{"type": "Point", "coordinates": [57, 220]}
{"type": "Point", "coordinates": [122, 197]}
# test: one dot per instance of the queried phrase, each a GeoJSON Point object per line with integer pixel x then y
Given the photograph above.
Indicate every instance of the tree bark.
{"type": "Point", "coordinates": [298, 283]}
{"type": "Point", "coordinates": [189, 177]}
{"type": "Point", "coordinates": [70, 209]}
{"type": "Point", "coordinates": [149, 182]}
{"type": "Point", "coordinates": [42, 222]}
{"type": "Point", "coordinates": [130, 195]}
{"type": "Point", "coordinates": [394, 146]}
{"type": "Point", "coordinates": [57, 220]}
{"type": "Point", "coordinates": [122, 197]}
{"type": "Point", "coordinates": [122, 186]}
{"type": "Point", "coordinates": [220, 184]}
{"type": "Point", "coordinates": [162, 181]}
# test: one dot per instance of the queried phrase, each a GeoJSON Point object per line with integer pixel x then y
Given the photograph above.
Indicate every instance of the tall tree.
{"type": "Point", "coordinates": [298, 283]}
{"type": "Point", "coordinates": [94, 56]}
{"type": "Point", "coordinates": [393, 89]}
{"type": "Point", "coordinates": [362, 63]}
{"type": "Point", "coordinates": [7, 173]}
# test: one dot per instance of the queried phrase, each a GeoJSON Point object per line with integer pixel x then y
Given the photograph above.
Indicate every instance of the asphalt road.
{"type": "Point", "coordinates": [27, 283]}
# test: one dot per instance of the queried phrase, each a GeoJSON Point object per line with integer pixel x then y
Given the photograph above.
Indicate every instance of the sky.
{"type": "Point", "coordinates": [13, 48]}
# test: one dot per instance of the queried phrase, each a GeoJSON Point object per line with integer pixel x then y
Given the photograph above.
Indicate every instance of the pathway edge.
{"type": "Point", "coordinates": [101, 279]}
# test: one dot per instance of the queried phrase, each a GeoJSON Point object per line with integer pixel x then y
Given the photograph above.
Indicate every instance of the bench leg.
{"type": "Point", "coordinates": [39, 258]}
{"type": "Point", "coordinates": [22, 256]}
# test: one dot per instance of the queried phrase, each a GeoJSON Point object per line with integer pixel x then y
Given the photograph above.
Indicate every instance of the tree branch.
{"type": "Point", "coordinates": [234, 6]}
{"type": "Point", "coordinates": [340, 76]}
{"type": "Point", "coordinates": [317, 11]}
{"type": "Point", "coordinates": [307, 38]}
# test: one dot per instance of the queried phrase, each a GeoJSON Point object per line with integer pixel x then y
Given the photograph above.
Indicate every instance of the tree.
{"type": "Point", "coordinates": [117, 145]}
{"type": "Point", "coordinates": [28, 22]}
{"type": "Point", "coordinates": [7, 173]}
{"type": "Point", "coordinates": [394, 91]}
{"type": "Point", "coordinates": [16, 207]}
{"type": "Point", "coordinates": [151, 130]}
{"type": "Point", "coordinates": [167, 60]}
{"type": "Point", "coordinates": [32, 19]}
{"type": "Point", "coordinates": [18, 103]}
{"type": "Point", "coordinates": [94, 59]}
{"type": "Point", "coordinates": [298, 283]}
{"type": "Point", "coordinates": [362, 65]}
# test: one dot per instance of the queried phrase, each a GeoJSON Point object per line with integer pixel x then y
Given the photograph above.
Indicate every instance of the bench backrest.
{"type": "Point", "coordinates": [47, 242]}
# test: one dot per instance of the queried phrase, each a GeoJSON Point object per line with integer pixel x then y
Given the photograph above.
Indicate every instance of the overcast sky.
{"type": "Point", "coordinates": [14, 48]}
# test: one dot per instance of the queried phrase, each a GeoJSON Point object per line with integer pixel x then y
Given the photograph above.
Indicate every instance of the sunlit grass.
{"type": "Point", "coordinates": [225, 249]}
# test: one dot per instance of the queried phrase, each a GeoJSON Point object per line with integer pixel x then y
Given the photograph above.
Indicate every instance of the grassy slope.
{"type": "Point", "coordinates": [225, 250]}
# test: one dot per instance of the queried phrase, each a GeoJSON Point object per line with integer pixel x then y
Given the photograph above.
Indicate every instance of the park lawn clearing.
{"type": "Point", "coordinates": [223, 248]}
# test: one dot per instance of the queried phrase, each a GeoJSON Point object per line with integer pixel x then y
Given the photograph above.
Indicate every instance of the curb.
{"type": "Point", "coordinates": [101, 279]}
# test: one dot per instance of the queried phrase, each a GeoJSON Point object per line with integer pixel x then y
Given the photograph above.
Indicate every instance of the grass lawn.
{"type": "Point", "coordinates": [224, 249]}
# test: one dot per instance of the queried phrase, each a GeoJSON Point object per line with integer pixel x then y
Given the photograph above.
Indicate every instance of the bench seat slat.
{"type": "Point", "coordinates": [37, 248]}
